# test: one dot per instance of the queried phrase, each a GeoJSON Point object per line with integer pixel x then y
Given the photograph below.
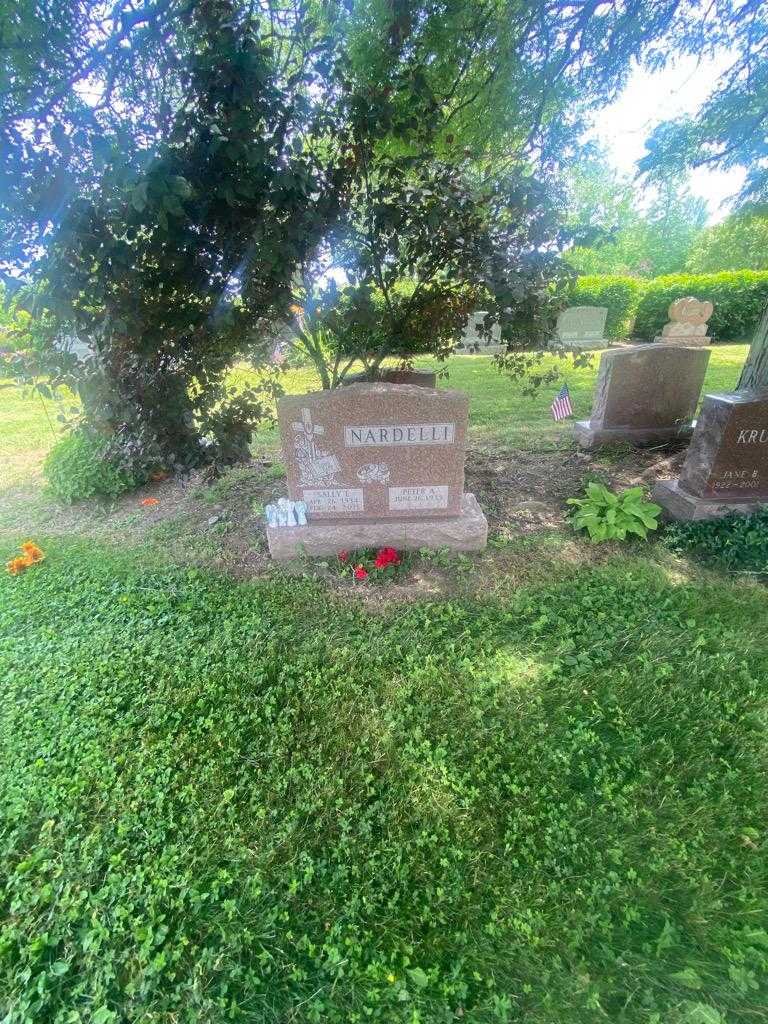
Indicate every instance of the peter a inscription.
{"type": "Point", "coordinates": [408, 499]}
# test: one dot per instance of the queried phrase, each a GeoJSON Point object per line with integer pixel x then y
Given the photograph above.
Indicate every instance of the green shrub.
{"type": "Point", "coordinates": [608, 516]}
{"type": "Point", "coordinates": [738, 297]}
{"type": "Point", "coordinates": [620, 295]}
{"type": "Point", "coordinates": [79, 467]}
{"type": "Point", "coordinates": [736, 543]}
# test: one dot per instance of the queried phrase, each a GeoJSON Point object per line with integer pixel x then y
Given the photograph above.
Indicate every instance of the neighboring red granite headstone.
{"type": "Point", "coordinates": [726, 466]}
{"type": "Point", "coordinates": [645, 394]}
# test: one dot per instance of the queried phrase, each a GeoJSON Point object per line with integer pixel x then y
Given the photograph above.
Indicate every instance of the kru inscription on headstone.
{"type": "Point", "coordinates": [726, 465]}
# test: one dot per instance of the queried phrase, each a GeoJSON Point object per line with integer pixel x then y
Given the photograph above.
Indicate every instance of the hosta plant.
{"type": "Point", "coordinates": [608, 516]}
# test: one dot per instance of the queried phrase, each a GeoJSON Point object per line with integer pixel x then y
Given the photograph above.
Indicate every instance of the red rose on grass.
{"type": "Point", "coordinates": [361, 573]}
{"type": "Point", "coordinates": [385, 557]}
{"type": "Point", "coordinates": [343, 556]}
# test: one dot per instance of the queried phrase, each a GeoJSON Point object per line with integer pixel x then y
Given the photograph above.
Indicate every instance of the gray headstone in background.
{"type": "Point", "coordinates": [645, 394]}
{"type": "Point", "coordinates": [582, 327]}
{"type": "Point", "coordinates": [472, 341]}
{"type": "Point", "coordinates": [726, 466]}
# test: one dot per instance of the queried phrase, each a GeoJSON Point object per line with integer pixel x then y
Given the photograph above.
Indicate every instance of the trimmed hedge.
{"type": "Point", "coordinates": [737, 295]}
{"type": "Point", "coordinates": [619, 294]}
{"type": "Point", "coordinates": [638, 308]}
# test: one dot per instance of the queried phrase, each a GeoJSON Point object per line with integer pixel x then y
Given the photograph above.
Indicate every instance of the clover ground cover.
{"type": "Point", "coordinates": [262, 803]}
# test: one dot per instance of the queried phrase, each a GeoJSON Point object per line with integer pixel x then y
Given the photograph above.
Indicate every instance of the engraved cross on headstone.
{"type": "Point", "coordinates": [309, 429]}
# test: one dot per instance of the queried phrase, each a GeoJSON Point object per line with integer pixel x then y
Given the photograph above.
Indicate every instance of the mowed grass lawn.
{"type": "Point", "coordinates": [500, 412]}
{"type": "Point", "coordinates": [268, 802]}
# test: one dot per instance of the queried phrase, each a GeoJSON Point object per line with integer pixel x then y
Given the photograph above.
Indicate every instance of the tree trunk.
{"type": "Point", "coordinates": [754, 374]}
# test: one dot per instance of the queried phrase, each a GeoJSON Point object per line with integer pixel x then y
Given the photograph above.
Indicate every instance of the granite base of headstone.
{"type": "Point", "coordinates": [726, 465]}
{"type": "Point", "coordinates": [581, 328]}
{"type": "Point", "coordinates": [645, 395]}
{"type": "Point", "coordinates": [395, 375]}
{"type": "Point", "coordinates": [377, 465]}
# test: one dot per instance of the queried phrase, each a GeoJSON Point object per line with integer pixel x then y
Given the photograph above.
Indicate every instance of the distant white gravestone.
{"type": "Point", "coordinates": [582, 327]}
{"type": "Point", "coordinates": [473, 341]}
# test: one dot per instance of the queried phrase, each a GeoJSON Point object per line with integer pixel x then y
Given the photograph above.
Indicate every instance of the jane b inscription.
{"type": "Point", "coordinates": [413, 498]}
{"type": "Point", "coordinates": [335, 499]}
{"type": "Point", "coordinates": [399, 434]}
{"type": "Point", "coordinates": [736, 480]}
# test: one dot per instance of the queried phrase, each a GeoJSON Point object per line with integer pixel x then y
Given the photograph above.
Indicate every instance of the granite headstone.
{"type": "Point", "coordinates": [377, 464]}
{"type": "Point", "coordinates": [645, 394]}
{"type": "Point", "coordinates": [581, 327]}
{"type": "Point", "coordinates": [687, 322]}
{"type": "Point", "coordinates": [726, 465]}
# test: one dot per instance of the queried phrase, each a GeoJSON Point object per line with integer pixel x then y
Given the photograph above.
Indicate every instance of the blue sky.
{"type": "Point", "coordinates": [650, 97]}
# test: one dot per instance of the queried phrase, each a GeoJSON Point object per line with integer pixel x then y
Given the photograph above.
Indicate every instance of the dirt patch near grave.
{"type": "Point", "coordinates": [526, 492]}
{"type": "Point", "coordinates": [218, 523]}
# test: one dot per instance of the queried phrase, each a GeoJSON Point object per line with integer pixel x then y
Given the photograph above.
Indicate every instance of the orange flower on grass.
{"type": "Point", "coordinates": [32, 552]}
{"type": "Point", "coordinates": [149, 501]}
{"type": "Point", "coordinates": [32, 555]}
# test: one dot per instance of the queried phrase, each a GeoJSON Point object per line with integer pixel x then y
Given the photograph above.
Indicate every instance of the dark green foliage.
{"type": "Point", "coordinates": [736, 543]}
{"type": "Point", "coordinates": [340, 326]}
{"type": "Point", "coordinates": [259, 804]}
{"type": "Point", "coordinates": [423, 244]}
{"type": "Point", "coordinates": [170, 268]}
{"type": "Point", "coordinates": [621, 295]}
{"type": "Point", "coordinates": [80, 466]}
{"type": "Point", "coordinates": [738, 298]}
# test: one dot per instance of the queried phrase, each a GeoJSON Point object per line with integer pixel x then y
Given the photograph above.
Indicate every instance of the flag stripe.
{"type": "Point", "coordinates": [561, 407]}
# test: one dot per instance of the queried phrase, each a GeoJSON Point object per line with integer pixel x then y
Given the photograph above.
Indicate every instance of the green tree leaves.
{"type": "Point", "coordinates": [739, 243]}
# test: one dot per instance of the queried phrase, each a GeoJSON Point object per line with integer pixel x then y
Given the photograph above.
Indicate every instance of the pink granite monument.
{"type": "Point", "coordinates": [377, 464]}
{"type": "Point", "coordinates": [726, 465]}
{"type": "Point", "coordinates": [647, 394]}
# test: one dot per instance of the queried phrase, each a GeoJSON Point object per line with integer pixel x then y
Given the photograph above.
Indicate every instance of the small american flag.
{"type": "Point", "coordinates": [561, 407]}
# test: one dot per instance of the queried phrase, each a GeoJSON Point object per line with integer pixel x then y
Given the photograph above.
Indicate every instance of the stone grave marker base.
{"type": "Point", "coordinates": [679, 504]}
{"type": "Point", "coordinates": [589, 436]}
{"type": "Point", "coordinates": [579, 345]}
{"type": "Point", "coordinates": [467, 531]}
